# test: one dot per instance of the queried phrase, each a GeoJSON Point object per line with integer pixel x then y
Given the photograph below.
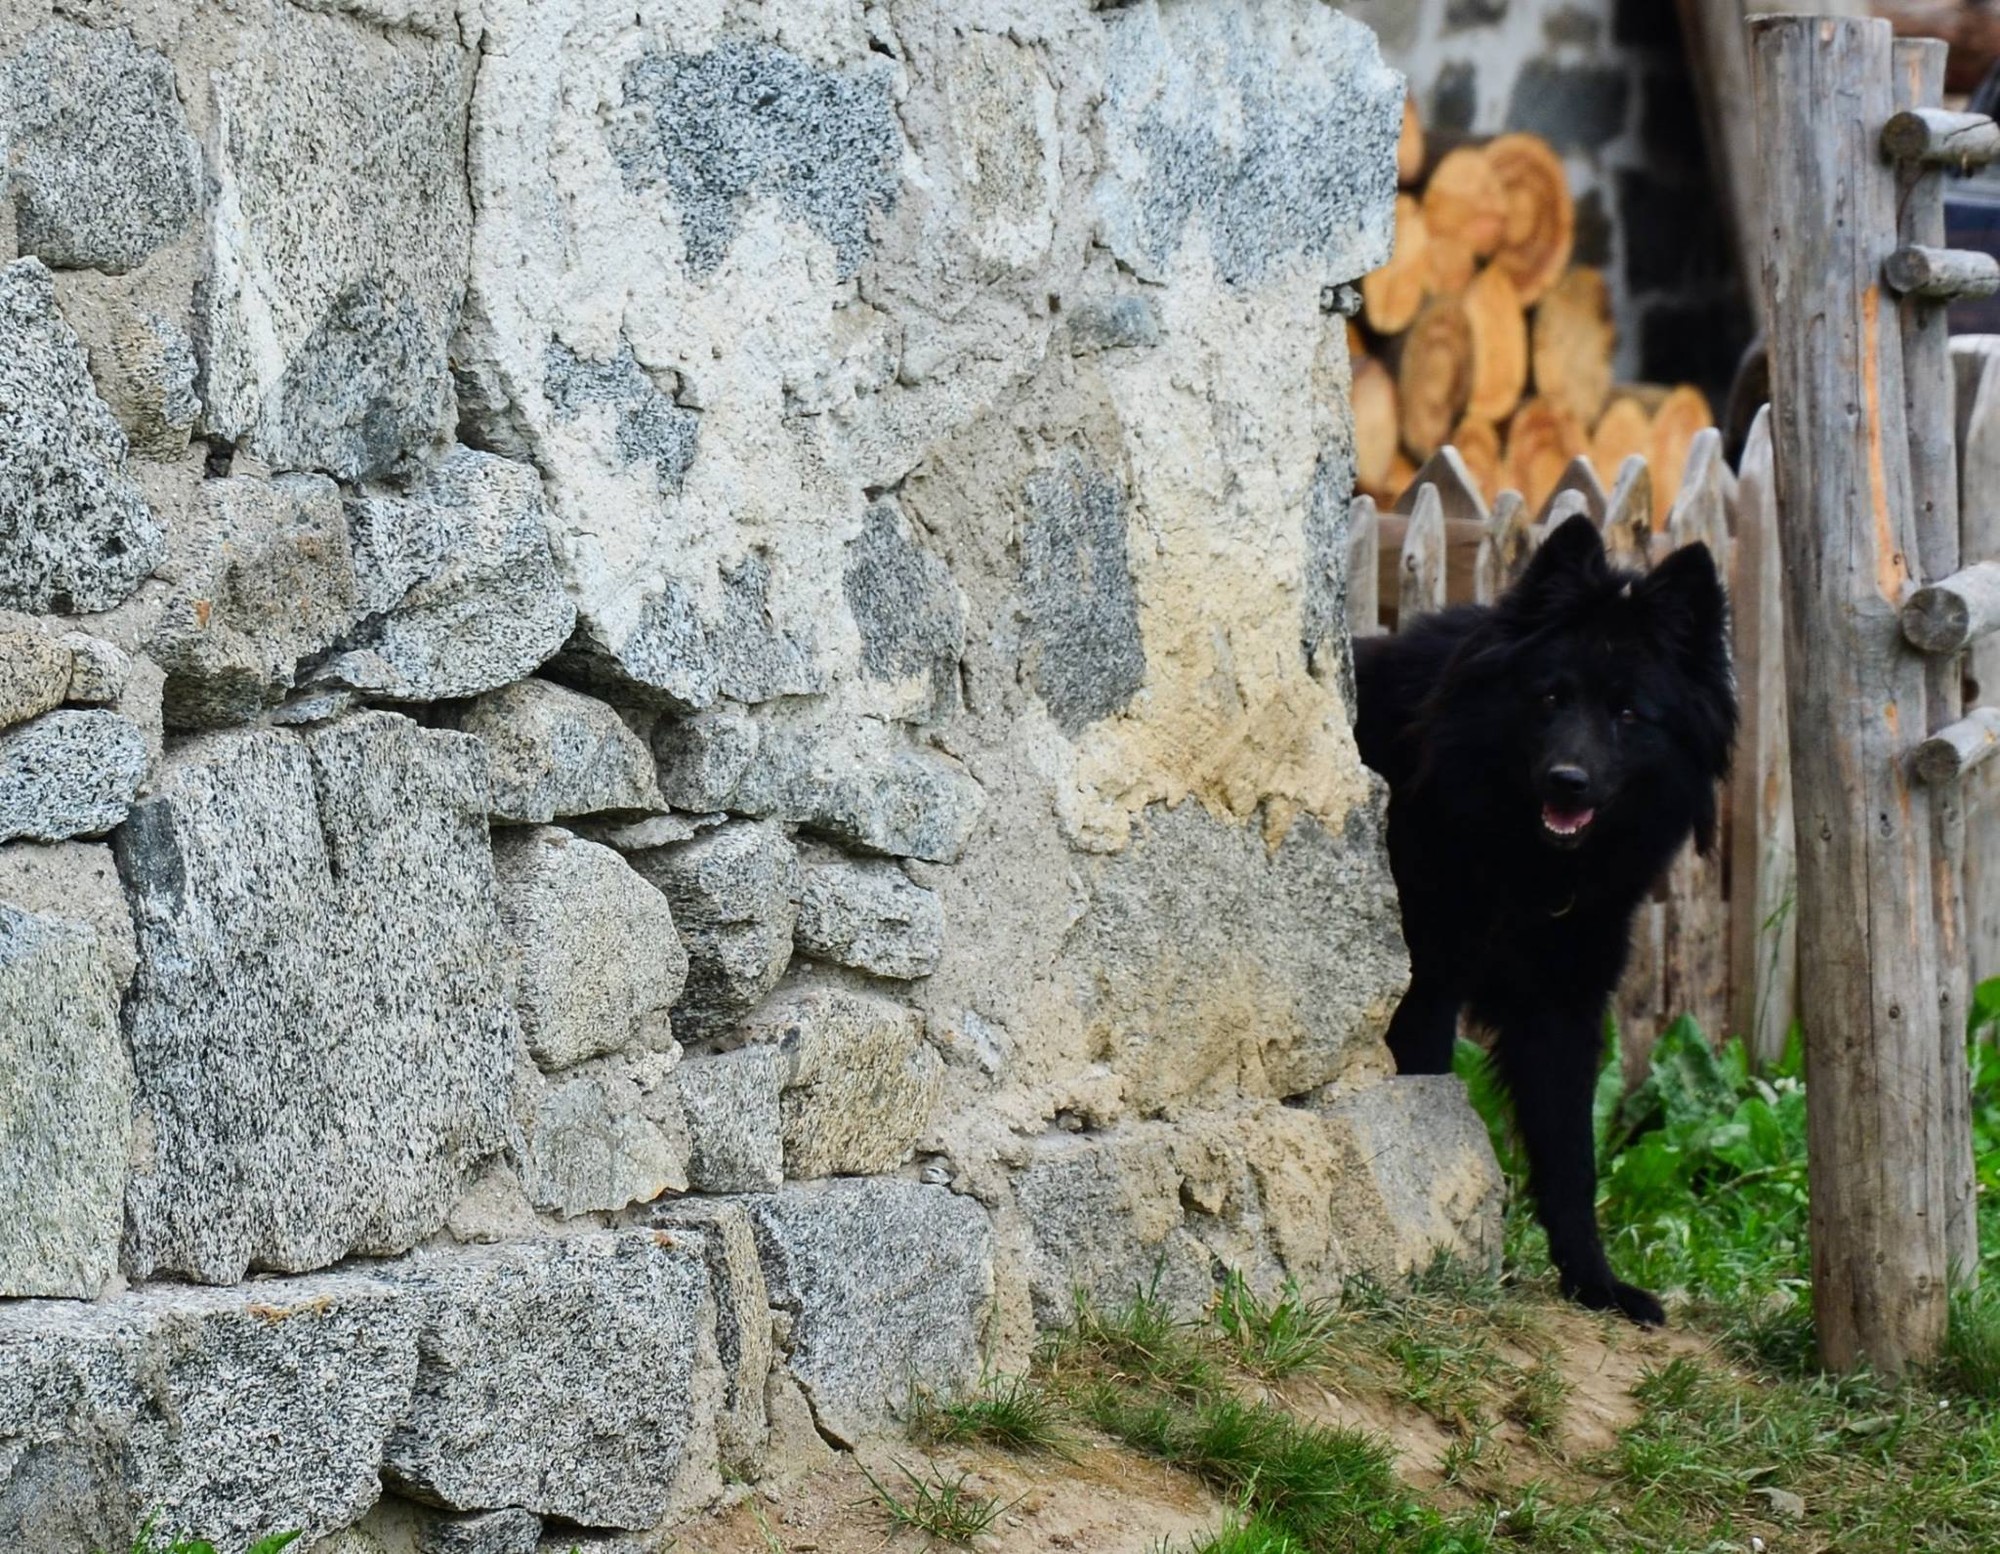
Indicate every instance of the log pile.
{"type": "Point", "coordinates": [1480, 333]}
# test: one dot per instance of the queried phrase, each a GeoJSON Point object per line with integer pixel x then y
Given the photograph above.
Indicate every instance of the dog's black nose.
{"type": "Point", "coordinates": [1570, 782]}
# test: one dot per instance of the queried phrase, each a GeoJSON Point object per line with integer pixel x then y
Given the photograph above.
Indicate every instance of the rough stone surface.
{"type": "Point", "coordinates": [35, 671]}
{"type": "Point", "coordinates": [906, 607]}
{"type": "Point", "coordinates": [228, 1414]}
{"type": "Point", "coordinates": [735, 1128]}
{"type": "Point", "coordinates": [1105, 1218]}
{"type": "Point", "coordinates": [65, 1131]}
{"type": "Point", "coordinates": [68, 774]}
{"type": "Point", "coordinates": [1118, 323]}
{"type": "Point", "coordinates": [871, 916]}
{"type": "Point", "coordinates": [856, 786]}
{"type": "Point", "coordinates": [1296, 1009]}
{"type": "Point", "coordinates": [603, 1135]}
{"type": "Point", "coordinates": [493, 1532]}
{"type": "Point", "coordinates": [716, 128]}
{"type": "Point", "coordinates": [99, 670]}
{"type": "Point", "coordinates": [742, 1324]}
{"type": "Point", "coordinates": [1303, 174]}
{"type": "Point", "coordinates": [554, 752]}
{"type": "Point", "coordinates": [263, 582]}
{"type": "Point", "coordinates": [75, 534]}
{"type": "Point", "coordinates": [77, 881]}
{"type": "Point", "coordinates": [1427, 1180]}
{"type": "Point", "coordinates": [863, 1082]}
{"type": "Point", "coordinates": [339, 234]}
{"type": "Point", "coordinates": [598, 962]}
{"type": "Point", "coordinates": [732, 893]}
{"type": "Point", "coordinates": [100, 162]}
{"type": "Point", "coordinates": [319, 1024]}
{"type": "Point", "coordinates": [575, 1379]}
{"type": "Point", "coordinates": [1573, 107]}
{"type": "Point", "coordinates": [148, 376]}
{"type": "Point", "coordinates": [456, 582]}
{"type": "Point", "coordinates": [1081, 647]}
{"type": "Point", "coordinates": [887, 1284]}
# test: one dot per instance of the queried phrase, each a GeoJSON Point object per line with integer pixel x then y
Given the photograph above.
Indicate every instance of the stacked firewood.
{"type": "Point", "coordinates": [1480, 333]}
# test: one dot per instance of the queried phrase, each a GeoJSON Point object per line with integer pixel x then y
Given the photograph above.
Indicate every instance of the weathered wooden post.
{"type": "Point", "coordinates": [1868, 975]}
{"type": "Point", "coordinates": [1928, 275]}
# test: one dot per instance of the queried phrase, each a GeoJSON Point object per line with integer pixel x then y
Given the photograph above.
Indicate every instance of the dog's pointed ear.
{"type": "Point", "coordinates": [1684, 599]}
{"type": "Point", "coordinates": [1572, 554]}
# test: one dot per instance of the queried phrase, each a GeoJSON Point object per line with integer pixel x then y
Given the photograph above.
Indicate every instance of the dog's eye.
{"type": "Point", "coordinates": [1627, 715]}
{"type": "Point", "coordinates": [1549, 701]}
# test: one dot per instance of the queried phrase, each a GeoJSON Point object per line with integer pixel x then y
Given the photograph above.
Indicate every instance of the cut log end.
{"type": "Point", "coordinates": [1434, 375]}
{"type": "Point", "coordinates": [1573, 341]}
{"type": "Point", "coordinates": [1540, 229]}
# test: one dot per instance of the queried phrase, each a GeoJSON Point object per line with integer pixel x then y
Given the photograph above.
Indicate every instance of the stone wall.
{"type": "Point", "coordinates": [1607, 83]}
{"type": "Point", "coordinates": [673, 743]}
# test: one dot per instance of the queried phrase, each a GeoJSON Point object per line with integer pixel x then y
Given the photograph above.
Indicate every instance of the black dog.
{"type": "Point", "coordinates": [1547, 756]}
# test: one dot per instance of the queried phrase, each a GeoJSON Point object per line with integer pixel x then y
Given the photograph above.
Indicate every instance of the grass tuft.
{"type": "Point", "coordinates": [147, 1543]}
{"type": "Point", "coordinates": [938, 1505]}
{"type": "Point", "coordinates": [1277, 1339]}
{"type": "Point", "coordinates": [1011, 1412]}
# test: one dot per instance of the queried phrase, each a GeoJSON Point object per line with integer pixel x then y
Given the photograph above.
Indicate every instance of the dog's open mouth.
{"type": "Point", "coordinates": [1566, 825]}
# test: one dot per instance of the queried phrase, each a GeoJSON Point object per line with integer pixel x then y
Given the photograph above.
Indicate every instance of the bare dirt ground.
{"type": "Point", "coordinates": [1108, 1500]}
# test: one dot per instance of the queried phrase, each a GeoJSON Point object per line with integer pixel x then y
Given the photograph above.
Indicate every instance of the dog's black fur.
{"type": "Point", "coordinates": [1547, 756]}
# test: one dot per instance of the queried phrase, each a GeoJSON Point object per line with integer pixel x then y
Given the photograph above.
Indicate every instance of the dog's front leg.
{"type": "Point", "coordinates": [1552, 1076]}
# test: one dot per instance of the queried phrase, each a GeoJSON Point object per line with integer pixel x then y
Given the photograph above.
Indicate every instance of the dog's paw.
{"type": "Point", "coordinates": [1628, 1300]}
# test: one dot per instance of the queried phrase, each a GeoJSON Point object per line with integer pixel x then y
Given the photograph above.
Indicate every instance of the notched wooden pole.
{"type": "Point", "coordinates": [1868, 980]}
{"type": "Point", "coordinates": [1949, 615]}
{"type": "Point", "coordinates": [1952, 752]}
{"type": "Point", "coordinates": [1941, 274]}
{"type": "Point", "coordinates": [1940, 139]}
{"type": "Point", "coordinates": [1931, 413]}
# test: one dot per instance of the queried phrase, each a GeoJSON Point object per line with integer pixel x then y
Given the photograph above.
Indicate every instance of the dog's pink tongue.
{"type": "Point", "coordinates": [1566, 819]}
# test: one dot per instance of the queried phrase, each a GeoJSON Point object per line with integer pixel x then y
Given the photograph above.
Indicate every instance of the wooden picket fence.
{"type": "Point", "coordinates": [1716, 941]}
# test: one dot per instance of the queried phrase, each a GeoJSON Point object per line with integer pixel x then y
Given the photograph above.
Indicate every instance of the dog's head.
{"type": "Point", "coordinates": [1609, 694]}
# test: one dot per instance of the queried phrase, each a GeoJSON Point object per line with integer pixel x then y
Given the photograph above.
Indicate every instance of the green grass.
{"type": "Point", "coordinates": [1278, 1338]}
{"type": "Point", "coordinates": [148, 1543]}
{"type": "Point", "coordinates": [941, 1506]}
{"type": "Point", "coordinates": [1010, 1412]}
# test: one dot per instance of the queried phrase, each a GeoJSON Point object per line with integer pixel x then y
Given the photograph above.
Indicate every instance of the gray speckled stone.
{"type": "Point", "coordinates": [683, 654]}
{"type": "Point", "coordinates": [35, 670]}
{"type": "Point", "coordinates": [263, 582]}
{"type": "Point", "coordinates": [1323, 629]}
{"type": "Point", "coordinates": [1115, 324]}
{"type": "Point", "coordinates": [66, 1128]}
{"type": "Point", "coordinates": [735, 1128]}
{"type": "Point", "coordinates": [598, 962]}
{"type": "Point", "coordinates": [100, 161]}
{"type": "Point", "coordinates": [319, 1025]}
{"type": "Point", "coordinates": [732, 893]}
{"type": "Point", "coordinates": [1080, 639]}
{"type": "Point", "coordinates": [647, 426]}
{"type": "Point", "coordinates": [492, 1532]}
{"type": "Point", "coordinates": [574, 1378]}
{"type": "Point", "coordinates": [1104, 1216]}
{"type": "Point", "coordinates": [746, 119]}
{"type": "Point", "coordinates": [77, 881]}
{"type": "Point", "coordinates": [555, 752]}
{"type": "Point", "coordinates": [1192, 890]}
{"type": "Point", "coordinates": [1267, 126]}
{"type": "Point", "coordinates": [871, 916]}
{"type": "Point", "coordinates": [148, 379]}
{"type": "Point", "coordinates": [340, 237]}
{"type": "Point", "coordinates": [229, 1414]}
{"type": "Point", "coordinates": [68, 774]}
{"type": "Point", "coordinates": [888, 1285]}
{"type": "Point", "coordinates": [99, 670]}
{"type": "Point", "coordinates": [859, 787]}
{"type": "Point", "coordinates": [75, 534]}
{"type": "Point", "coordinates": [906, 606]}
{"type": "Point", "coordinates": [863, 1081]}
{"type": "Point", "coordinates": [456, 583]}
{"type": "Point", "coordinates": [604, 1135]}
{"type": "Point", "coordinates": [742, 1323]}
